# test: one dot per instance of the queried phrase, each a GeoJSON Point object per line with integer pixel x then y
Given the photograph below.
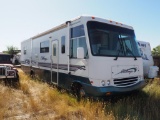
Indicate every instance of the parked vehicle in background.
{"type": "Point", "coordinates": [87, 55]}
{"type": "Point", "coordinates": [7, 71]}
{"type": "Point", "coordinates": [16, 59]}
{"type": "Point", "coordinates": [150, 71]}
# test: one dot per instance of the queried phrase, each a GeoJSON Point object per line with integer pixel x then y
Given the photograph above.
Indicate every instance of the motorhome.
{"type": "Point", "coordinates": [87, 55]}
{"type": "Point", "coordinates": [150, 71]}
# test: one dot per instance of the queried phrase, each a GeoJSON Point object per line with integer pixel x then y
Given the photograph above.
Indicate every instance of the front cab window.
{"type": "Point", "coordinates": [78, 39]}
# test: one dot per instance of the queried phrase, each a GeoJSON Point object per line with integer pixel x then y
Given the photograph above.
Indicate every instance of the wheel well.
{"type": "Point", "coordinates": [32, 72]}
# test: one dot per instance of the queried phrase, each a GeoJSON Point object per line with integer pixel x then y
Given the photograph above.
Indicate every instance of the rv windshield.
{"type": "Point", "coordinates": [109, 40]}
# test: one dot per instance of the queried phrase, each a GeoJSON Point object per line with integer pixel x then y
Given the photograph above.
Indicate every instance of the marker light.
{"type": "Point", "coordinates": [91, 82]}
{"type": "Point", "coordinates": [93, 17]}
{"type": "Point", "coordinates": [108, 93]}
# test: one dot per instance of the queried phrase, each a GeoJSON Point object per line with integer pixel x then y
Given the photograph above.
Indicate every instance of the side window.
{"type": "Point", "coordinates": [78, 40]}
{"type": "Point", "coordinates": [63, 44]}
{"type": "Point", "coordinates": [44, 47]}
{"type": "Point", "coordinates": [82, 43]}
{"type": "Point", "coordinates": [24, 51]}
{"type": "Point", "coordinates": [77, 31]}
{"type": "Point", "coordinates": [73, 46]}
{"type": "Point", "coordinates": [54, 49]}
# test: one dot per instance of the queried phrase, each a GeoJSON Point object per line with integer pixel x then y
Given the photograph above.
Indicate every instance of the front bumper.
{"type": "Point", "coordinates": [111, 90]}
{"type": "Point", "coordinates": [4, 77]}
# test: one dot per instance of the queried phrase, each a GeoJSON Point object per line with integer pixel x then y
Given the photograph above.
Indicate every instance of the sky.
{"type": "Point", "coordinates": [22, 19]}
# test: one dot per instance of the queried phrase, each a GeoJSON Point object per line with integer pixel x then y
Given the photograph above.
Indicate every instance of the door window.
{"type": "Point", "coordinates": [54, 49]}
{"type": "Point", "coordinates": [63, 44]}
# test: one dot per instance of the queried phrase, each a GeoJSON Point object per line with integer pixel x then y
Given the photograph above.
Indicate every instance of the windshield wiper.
{"type": "Point", "coordinates": [120, 50]}
{"type": "Point", "coordinates": [130, 51]}
{"type": "Point", "coordinates": [117, 55]}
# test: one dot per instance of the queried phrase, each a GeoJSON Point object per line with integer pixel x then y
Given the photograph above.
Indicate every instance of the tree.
{"type": "Point", "coordinates": [156, 51]}
{"type": "Point", "coordinates": [11, 50]}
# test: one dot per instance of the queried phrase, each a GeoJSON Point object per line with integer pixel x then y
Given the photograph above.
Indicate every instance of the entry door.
{"type": "Point", "coordinates": [54, 62]}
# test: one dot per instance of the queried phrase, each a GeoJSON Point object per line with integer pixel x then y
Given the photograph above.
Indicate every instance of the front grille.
{"type": "Point", "coordinates": [2, 71]}
{"type": "Point", "coordinates": [125, 81]}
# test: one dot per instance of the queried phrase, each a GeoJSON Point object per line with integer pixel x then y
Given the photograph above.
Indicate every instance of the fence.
{"type": "Point", "coordinates": [157, 62]}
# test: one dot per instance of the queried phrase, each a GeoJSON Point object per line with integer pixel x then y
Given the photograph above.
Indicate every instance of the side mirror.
{"type": "Point", "coordinates": [80, 52]}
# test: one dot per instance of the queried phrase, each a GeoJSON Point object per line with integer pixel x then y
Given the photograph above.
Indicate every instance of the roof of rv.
{"type": "Point", "coordinates": [85, 18]}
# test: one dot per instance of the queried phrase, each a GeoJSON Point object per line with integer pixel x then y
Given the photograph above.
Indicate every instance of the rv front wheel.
{"type": "Point", "coordinates": [78, 90]}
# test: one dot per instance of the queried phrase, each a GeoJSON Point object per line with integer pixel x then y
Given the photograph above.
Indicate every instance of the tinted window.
{"type": "Point", "coordinates": [63, 44]}
{"type": "Point", "coordinates": [54, 49]}
{"type": "Point", "coordinates": [78, 42]}
{"type": "Point", "coordinates": [77, 31]}
{"type": "Point", "coordinates": [24, 51]}
{"type": "Point", "coordinates": [110, 40]}
{"type": "Point", "coordinates": [44, 47]}
{"type": "Point", "coordinates": [5, 59]}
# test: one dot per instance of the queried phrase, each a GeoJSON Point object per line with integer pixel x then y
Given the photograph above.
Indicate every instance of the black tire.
{"type": "Point", "coordinates": [78, 91]}
{"type": "Point", "coordinates": [7, 82]}
{"type": "Point", "coordinates": [81, 92]}
{"type": "Point", "coordinates": [15, 81]}
{"type": "Point", "coordinates": [74, 90]}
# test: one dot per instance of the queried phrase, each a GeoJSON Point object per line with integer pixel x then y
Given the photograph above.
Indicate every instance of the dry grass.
{"type": "Point", "coordinates": [143, 105]}
{"type": "Point", "coordinates": [37, 100]}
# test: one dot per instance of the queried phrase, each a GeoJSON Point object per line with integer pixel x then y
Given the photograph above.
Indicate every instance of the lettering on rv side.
{"type": "Point", "coordinates": [141, 44]}
{"type": "Point", "coordinates": [130, 70]}
{"type": "Point", "coordinates": [44, 58]}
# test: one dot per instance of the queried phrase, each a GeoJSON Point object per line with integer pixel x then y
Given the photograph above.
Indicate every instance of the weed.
{"type": "Point", "coordinates": [37, 100]}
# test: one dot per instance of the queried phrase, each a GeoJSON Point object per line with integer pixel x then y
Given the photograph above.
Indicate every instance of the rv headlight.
{"type": "Point", "coordinates": [108, 82]}
{"type": "Point", "coordinates": [103, 83]}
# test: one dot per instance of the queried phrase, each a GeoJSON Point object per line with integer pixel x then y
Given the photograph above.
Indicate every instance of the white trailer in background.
{"type": "Point", "coordinates": [88, 55]}
{"type": "Point", "coordinates": [150, 71]}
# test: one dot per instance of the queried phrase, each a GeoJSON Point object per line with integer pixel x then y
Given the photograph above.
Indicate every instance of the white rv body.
{"type": "Point", "coordinates": [56, 55]}
{"type": "Point", "coordinates": [150, 71]}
